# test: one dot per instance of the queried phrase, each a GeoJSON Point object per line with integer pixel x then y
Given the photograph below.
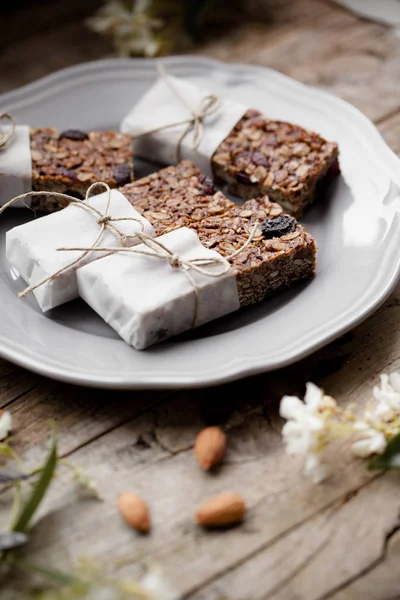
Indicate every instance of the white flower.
{"type": "Point", "coordinates": [157, 587]}
{"type": "Point", "coordinates": [315, 469]}
{"type": "Point", "coordinates": [5, 424]}
{"type": "Point", "coordinates": [371, 442]}
{"type": "Point", "coordinates": [133, 29]}
{"type": "Point", "coordinates": [304, 429]}
{"type": "Point", "coordinates": [303, 426]}
{"type": "Point", "coordinates": [388, 396]}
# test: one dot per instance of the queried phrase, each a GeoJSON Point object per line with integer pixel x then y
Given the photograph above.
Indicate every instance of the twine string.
{"type": "Point", "coordinates": [104, 220]}
{"type": "Point", "coordinates": [208, 105]}
{"type": "Point", "coordinates": [5, 137]}
{"type": "Point", "coordinates": [156, 249]}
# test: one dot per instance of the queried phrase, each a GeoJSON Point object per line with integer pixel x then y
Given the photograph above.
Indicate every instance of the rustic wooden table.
{"type": "Point", "coordinates": [339, 540]}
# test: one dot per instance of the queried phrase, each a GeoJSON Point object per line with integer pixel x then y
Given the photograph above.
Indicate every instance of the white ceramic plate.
{"type": "Point", "coordinates": [356, 228]}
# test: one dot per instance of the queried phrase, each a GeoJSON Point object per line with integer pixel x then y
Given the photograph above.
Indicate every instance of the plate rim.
{"type": "Point", "coordinates": [239, 367]}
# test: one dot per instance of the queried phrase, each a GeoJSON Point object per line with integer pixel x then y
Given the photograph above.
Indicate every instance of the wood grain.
{"type": "Point", "coordinates": [339, 540]}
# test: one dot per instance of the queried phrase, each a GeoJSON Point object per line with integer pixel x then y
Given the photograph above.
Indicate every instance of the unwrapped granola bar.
{"type": "Point", "coordinates": [70, 161]}
{"type": "Point", "coordinates": [67, 162]}
{"type": "Point", "coordinates": [176, 196]}
{"type": "Point", "coordinates": [290, 164]}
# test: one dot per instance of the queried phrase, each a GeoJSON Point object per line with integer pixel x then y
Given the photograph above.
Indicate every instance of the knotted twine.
{"type": "Point", "coordinates": [157, 249]}
{"type": "Point", "coordinates": [208, 105]}
{"type": "Point", "coordinates": [105, 221]}
{"type": "Point", "coordinates": [6, 137]}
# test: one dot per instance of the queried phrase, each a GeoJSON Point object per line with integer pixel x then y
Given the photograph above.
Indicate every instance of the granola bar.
{"type": "Point", "coordinates": [176, 196]}
{"type": "Point", "coordinates": [268, 263]}
{"type": "Point", "coordinates": [180, 196]}
{"type": "Point", "coordinates": [70, 161]}
{"type": "Point", "coordinates": [261, 157]}
{"type": "Point", "coordinates": [148, 299]}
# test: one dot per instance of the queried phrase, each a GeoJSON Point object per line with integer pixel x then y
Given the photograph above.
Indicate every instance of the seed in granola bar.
{"type": "Point", "coordinates": [74, 134]}
{"type": "Point", "coordinates": [122, 174]}
{"type": "Point", "coordinates": [278, 226]}
{"type": "Point", "coordinates": [208, 186]}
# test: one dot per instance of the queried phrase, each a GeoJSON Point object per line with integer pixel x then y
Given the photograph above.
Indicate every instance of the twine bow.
{"type": "Point", "coordinates": [208, 105]}
{"type": "Point", "coordinates": [6, 137]}
{"type": "Point", "coordinates": [104, 220]}
{"type": "Point", "coordinates": [157, 249]}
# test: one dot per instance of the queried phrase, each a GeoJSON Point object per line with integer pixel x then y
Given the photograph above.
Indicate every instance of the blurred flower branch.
{"type": "Point", "coordinates": [158, 27]}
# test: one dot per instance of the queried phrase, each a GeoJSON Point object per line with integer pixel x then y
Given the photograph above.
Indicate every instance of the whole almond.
{"type": "Point", "coordinates": [210, 447]}
{"type": "Point", "coordinates": [225, 509]}
{"type": "Point", "coordinates": [134, 511]}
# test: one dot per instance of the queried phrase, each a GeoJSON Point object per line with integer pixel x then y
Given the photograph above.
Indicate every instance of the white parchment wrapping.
{"type": "Point", "coordinates": [16, 166]}
{"type": "Point", "coordinates": [147, 301]}
{"type": "Point", "coordinates": [32, 248]}
{"type": "Point", "coordinates": [160, 106]}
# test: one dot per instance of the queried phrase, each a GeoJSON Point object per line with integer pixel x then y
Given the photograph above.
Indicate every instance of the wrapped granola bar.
{"type": "Point", "coordinates": [31, 248]}
{"type": "Point", "coordinates": [148, 299]}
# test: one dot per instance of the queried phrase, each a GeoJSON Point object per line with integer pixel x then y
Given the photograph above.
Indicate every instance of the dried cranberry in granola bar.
{"type": "Point", "coordinates": [70, 161]}
{"type": "Point", "coordinates": [270, 262]}
{"type": "Point", "coordinates": [262, 156]}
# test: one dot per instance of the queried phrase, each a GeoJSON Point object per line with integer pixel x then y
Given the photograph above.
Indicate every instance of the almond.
{"type": "Point", "coordinates": [134, 511]}
{"type": "Point", "coordinates": [210, 447]}
{"type": "Point", "coordinates": [225, 509]}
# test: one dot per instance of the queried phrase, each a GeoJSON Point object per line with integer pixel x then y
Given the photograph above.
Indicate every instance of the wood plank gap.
{"type": "Point", "coordinates": [18, 397]}
{"type": "Point", "coordinates": [389, 115]}
{"type": "Point", "coordinates": [148, 408]}
{"type": "Point", "coordinates": [282, 535]}
{"type": "Point", "coordinates": [375, 563]}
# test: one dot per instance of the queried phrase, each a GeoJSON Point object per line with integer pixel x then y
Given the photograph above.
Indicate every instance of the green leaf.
{"type": "Point", "coordinates": [24, 518]}
{"type": "Point", "coordinates": [61, 578]}
{"type": "Point", "coordinates": [390, 459]}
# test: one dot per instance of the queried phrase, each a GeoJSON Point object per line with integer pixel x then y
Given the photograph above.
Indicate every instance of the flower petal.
{"type": "Point", "coordinates": [313, 397]}
{"type": "Point", "coordinates": [291, 407]}
{"type": "Point", "coordinates": [394, 380]}
{"type": "Point", "coordinates": [373, 442]}
{"type": "Point", "coordinates": [5, 424]}
{"type": "Point", "coordinates": [315, 469]}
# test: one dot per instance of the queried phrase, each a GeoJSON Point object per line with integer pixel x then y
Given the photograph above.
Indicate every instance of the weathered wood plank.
{"type": "Point", "coordinates": [14, 382]}
{"type": "Point", "coordinates": [322, 555]}
{"type": "Point", "coordinates": [174, 486]}
{"type": "Point", "coordinates": [80, 414]}
{"type": "Point", "coordinates": [390, 129]}
{"type": "Point", "coordinates": [381, 578]}
{"type": "Point", "coordinates": [354, 59]}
